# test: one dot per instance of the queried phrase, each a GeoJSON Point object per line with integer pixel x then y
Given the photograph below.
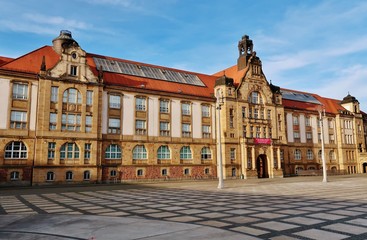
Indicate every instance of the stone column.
{"type": "Point", "coordinates": [279, 160]}
{"type": "Point", "coordinates": [271, 167]}
{"type": "Point", "coordinates": [253, 158]}
{"type": "Point", "coordinates": [243, 159]}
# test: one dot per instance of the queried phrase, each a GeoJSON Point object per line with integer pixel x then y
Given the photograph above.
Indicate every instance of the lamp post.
{"type": "Point", "coordinates": [324, 172]}
{"type": "Point", "coordinates": [220, 163]}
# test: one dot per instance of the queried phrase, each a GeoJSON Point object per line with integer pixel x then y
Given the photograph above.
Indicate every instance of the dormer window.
{"type": "Point", "coordinates": [73, 70]}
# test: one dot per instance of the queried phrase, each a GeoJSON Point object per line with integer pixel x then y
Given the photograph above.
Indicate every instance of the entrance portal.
{"type": "Point", "coordinates": [262, 166]}
{"type": "Point", "coordinates": [364, 166]}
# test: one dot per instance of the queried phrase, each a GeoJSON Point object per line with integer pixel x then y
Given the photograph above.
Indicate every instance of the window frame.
{"type": "Point", "coordinates": [18, 119]}
{"type": "Point", "coordinates": [112, 152]}
{"type": "Point", "coordinates": [140, 104]}
{"type": "Point", "coordinates": [20, 91]}
{"type": "Point", "coordinates": [69, 151]}
{"type": "Point", "coordinates": [163, 152]}
{"type": "Point", "coordinates": [16, 150]}
{"type": "Point", "coordinates": [185, 153]}
{"type": "Point", "coordinates": [140, 152]}
{"type": "Point", "coordinates": [206, 153]}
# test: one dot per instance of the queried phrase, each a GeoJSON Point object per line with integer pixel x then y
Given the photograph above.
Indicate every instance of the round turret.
{"type": "Point", "coordinates": [63, 40]}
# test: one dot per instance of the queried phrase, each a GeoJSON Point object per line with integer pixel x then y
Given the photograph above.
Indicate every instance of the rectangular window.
{"type": "Point", "coordinates": [73, 70]}
{"type": "Point", "coordinates": [331, 124]}
{"type": "Point", "coordinates": [309, 136]}
{"type": "Point", "coordinates": [308, 121]}
{"type": "Point", "coordinates": [251, 131]}
{"type": "Point", "coordinates": [88, 123]}
{"type": "Point", "coordinates": [53, 121]}
{"type": "Point", "coordinates": [262, 114]}
{"type": "Point", "coordinates": [89, 98]}
{"type": "Point", "coordinates": [233, 153]}
{"type": "Point", "coordinates": [70, 122]}
{"type": "Point", "coordinates": [243, 112]}
{"type": "Point", "coordinates": [140, 104]}
{"type": "Point", "coordinates": [269, 114]}
{"type": "Point", "coordinates": [206, 131]}
{"type": "Point", "coordinates": [54, 94]}
{"type": "Point", "coordinates": [164, 129]}
{"type": "Point", "coordinates": [244, 133]}
{"type": "Point", "coordinates": [51, 150]}
{"type": "Point", "coordinates": [18, 120]}
{"type": "Point", "coordinates": [186, 109]}
{"type": "Point", "coordinates": [114, 125]}
{"type": "Point", "coordinates": [264, 132]}
{"type": "Point", "coordinates": [256, 113]}
{"type": "Point", "coordinates": [164, 106]}
{"type": "Point", "coordinates": [258, 132]}
{"type": "Point", "coordinates": [296, 135]}
{"type": "Point", "coordinates": [205, 111]}
{"type": "Point", "coordinates": [295, 120]}
{"type": "Point", "coordinates": [140, 127]}
{"type": "Point", "coordinates": [87, 150]}
{"type": "Point", "coordinates": [186, 130]}
{"type": "Point", "coordinates": [332, 138]}
{"type": "Point", "coordinates": [270, 133]}
{"type": "Point", "coordinates": [20, 91]}
{"type": "Point", "coordinates": [115, 101]}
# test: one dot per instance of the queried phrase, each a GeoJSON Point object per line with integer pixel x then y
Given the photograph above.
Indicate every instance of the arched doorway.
{"type": "Point", "coordinates": [364, 166]}
{"type": "Point", "coordinates": [262, 166]}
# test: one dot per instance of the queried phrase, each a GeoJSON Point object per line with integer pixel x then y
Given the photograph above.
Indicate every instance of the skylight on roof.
{"type": "Point", "coordinates": [301, 97]}
{"type": "Point", "coordinates": [148, 72]}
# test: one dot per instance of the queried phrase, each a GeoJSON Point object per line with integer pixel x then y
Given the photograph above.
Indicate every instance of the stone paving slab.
{"type": "Point", "coordinates": [252, 209]}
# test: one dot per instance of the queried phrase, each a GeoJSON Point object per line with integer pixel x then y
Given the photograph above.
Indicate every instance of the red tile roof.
{"type": "Point", "coordinates": [4, 60]}
{"type": "Point", "coordinates": [31, 62]}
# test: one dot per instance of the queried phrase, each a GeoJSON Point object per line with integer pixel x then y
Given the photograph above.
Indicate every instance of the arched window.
{"type": "Point", "coordinates": [72, 95]}
{"type": "Point", "coordinates": [185, 153]}
{"type": "Point", "coordinates": [299, 169]}
{"type": "Point", "coordinates": [297, 154]}
{"type": "Point", "coordinates": [113, 151]}
{"type": "Point", "coordinates": [139, 152]}
{"type": "Point", "coordinates": [206, 153]}
{"type": "Point", "coordinates": [163, 152]}
{"type": "Point", "coordinates": [15, 150]}
{"type": "Point", "coordinates": [69, 176]}
{"type": "Point", "coordinates": [234, 173]}
{"type": "Point", "coordinates": [309, 154]}
{"type": "Point", "coordinates": [332, 155]}
{"type": "Point", "coordinates": [69, 151]}
{"type": "Point", "coordinates": [255, 98]}
{"type": "Point", "coordinates": [319, 154]}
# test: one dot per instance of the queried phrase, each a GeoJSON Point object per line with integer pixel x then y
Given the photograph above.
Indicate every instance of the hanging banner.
{"type": "Point", "coordinates": [263, 141]}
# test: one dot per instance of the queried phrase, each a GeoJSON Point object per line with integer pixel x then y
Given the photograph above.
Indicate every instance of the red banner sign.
{"type": "Point", "coordinates": [264, 141]}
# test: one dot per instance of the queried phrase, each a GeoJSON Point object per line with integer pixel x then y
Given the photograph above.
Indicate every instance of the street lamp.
{"type": "Point", "coordinates": [220, 103]}
{"type": "Point", "coordinates": [324, 172]}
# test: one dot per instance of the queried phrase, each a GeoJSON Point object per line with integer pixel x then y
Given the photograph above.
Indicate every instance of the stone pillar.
{"type": "Point", "coordinates": [253, 158]}
{"type": "Point", "coordinates": [279, 160]}
{"type": "Point", "coordinates": [243, 159]}
{"type": "Point", "coordinates": [271, 167]}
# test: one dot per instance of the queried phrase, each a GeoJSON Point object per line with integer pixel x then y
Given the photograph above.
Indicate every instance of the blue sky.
{"type": "Point", "coordinates": [315, 46]}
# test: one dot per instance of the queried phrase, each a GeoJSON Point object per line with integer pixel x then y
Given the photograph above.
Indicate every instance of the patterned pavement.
{"type": "Point", "coordinates": [272, 209]}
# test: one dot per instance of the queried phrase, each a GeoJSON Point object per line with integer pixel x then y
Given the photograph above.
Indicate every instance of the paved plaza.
{"type": "Point", "coordinates": [289, 208]}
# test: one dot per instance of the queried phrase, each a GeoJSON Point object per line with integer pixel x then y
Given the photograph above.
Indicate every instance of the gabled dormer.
{"type": "Point", "coordinates": [72, 65]}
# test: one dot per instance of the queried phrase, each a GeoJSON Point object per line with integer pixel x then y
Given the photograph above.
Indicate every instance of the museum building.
{"type": "Point", "coordinates": [68, 116]}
